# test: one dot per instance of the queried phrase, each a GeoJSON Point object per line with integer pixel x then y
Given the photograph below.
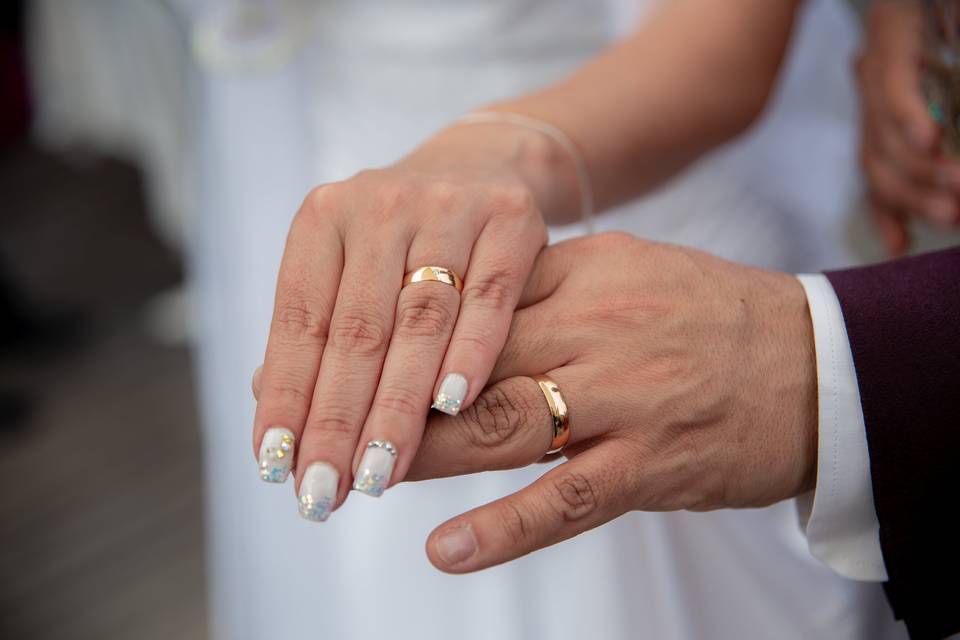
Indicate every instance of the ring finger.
{"type": "Point", "coordinates": [426, 313]}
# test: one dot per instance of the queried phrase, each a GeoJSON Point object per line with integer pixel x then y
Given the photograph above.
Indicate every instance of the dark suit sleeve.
{"type": "Point", "coordinates": [903, 320]}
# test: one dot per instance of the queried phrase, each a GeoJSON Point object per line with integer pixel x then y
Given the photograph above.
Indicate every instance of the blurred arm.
{"type": "Point", "coordinates": [696, 74]}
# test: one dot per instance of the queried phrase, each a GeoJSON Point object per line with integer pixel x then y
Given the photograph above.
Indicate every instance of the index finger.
{"type": "Point", "coordinates": [306, 287]}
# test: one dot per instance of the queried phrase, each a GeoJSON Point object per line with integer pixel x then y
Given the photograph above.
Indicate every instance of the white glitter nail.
{"type": "Point", "coordinates": [452, 391]}
{"type": "Point", "coordinates": [373, 475]}
{"type": "Point", "coordinates": [318, 491]}
{"type": "Point", "coordinates": [276, 454]}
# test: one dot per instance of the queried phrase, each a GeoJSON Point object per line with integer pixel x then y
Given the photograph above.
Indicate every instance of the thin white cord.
{"type": "Point", "coordinates": [558, 136]}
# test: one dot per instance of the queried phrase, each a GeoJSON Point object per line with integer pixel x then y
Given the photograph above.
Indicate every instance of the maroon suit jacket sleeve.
{"type": "Point", "coordinates": [903, 320]}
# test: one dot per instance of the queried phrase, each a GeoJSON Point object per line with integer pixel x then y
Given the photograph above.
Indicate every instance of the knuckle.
{"type": "Point", "coordinates": [337, 423]}
{"type": "Point", "coordinates": [575, 498]}
{"type": "Point", "coordinates": [422, 315]}
{"type": "Point", "coordinates": [283, 390]}
{"type": "Point", "coordinates": [513, 199]}
{"type": "Point", "coordinates": [614, 240]}
{"type": "Point", "coordinates": [359, 333]}
{"type": "Point", "coordinates": [401, 400]}
{"type": "Point", "coordinates": [478, 339]}
{"type": "Point", "coordinates": [445, 195]}
{"type": "Point", "coordinates": [491, 292]}
{"type": "Point", "coordinates": [298, 318]}
{"type": "Point", "coordinates": [494, 418]}
{"type": "Point", "coordinates": [393, 195]}
{"type": "Point", "coordinates": [515, 523]}
{"type": "Point", "coordinates": [322, 200]}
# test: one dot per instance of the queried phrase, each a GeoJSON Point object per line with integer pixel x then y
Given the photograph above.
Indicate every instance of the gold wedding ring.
{"type": "Point", "coordinates": [434, 274]}
{"type": "Point", "coordinates": [558, 409]}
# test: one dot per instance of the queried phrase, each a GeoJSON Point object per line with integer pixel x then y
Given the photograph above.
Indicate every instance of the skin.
{"type": "Point", "coordinates": [352, 358]}
{"type": "Point", "coordinates": [690, 381]}
{"type": "Point", "coordinates": [900, 144]}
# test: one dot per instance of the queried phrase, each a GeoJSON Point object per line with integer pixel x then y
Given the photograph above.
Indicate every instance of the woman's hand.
{"type": "Point", "coordinates": [352, 358]}
{"type": "Point", "coordinates": [899, 148]}
{"type": "Point", "coordinates": [690, 382]}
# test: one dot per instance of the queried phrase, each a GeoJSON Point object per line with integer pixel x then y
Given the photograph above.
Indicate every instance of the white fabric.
{"type": "Point", "coordinates": [373, 80]}
{"type": "Point", "coordinates": [839, 518]}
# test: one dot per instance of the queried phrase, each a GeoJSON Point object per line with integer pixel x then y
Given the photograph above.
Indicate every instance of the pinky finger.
{"type": "Point", "coordinates": [892, 227]}
{"type": "Point", "coordinates": [570, 499]}
{"type": "Point", "coordinates": [492, 287]}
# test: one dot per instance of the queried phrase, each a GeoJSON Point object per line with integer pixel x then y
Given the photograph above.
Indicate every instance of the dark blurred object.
{"type": "Point", "coordinates": [102, 536]}
{"type": "Point", "coordinates": [14, 92]}
{"type": "Point", "coordinates": [14, 409]}
{"type": "Point", "coordinates": [27, 330]}
{"type": "Point", "coordinates": [75, 234]}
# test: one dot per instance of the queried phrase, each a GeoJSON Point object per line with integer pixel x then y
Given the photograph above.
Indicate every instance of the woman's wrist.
{"type": "Point", "coordinates": [533, 157]}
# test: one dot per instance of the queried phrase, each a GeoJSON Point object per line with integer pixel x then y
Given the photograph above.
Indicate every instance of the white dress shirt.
{"type": "Point", "coordinates": [839, 517]}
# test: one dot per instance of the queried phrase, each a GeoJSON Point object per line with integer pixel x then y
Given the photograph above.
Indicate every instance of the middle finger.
{"type": "Point", "coordinates": [359, 332]}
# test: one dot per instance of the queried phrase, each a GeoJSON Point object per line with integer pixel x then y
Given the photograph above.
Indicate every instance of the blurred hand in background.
{"type": "Point", "coordinates": [900, 147]}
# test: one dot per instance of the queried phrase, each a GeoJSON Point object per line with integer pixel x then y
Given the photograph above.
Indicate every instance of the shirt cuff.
{"type": "Point", "coordinates": [839, 517]}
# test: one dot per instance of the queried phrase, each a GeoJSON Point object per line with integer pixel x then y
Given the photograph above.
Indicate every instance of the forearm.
{"type": "Point", "coordinates": [695, 75]}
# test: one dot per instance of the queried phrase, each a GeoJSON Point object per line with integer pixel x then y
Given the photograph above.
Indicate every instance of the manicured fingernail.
{"type": "Point", "coordinates": [450, 397]}
{"type": "Point", "coordinates": [373, 476]}
{"type": "Point", "coordinates": [276, 454]}
{"type": "Point", "coordinates": [457, 545]}
{"type": "Point", "coordinates": [318, 491]}
{"type": "Point", "coordinates": [942, 211]}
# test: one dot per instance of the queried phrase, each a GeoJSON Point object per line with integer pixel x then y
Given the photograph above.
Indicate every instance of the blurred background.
{"type": "Point", "coordinates": [100, 523]}
{"type": "Point", "coordinates": [101, 512]}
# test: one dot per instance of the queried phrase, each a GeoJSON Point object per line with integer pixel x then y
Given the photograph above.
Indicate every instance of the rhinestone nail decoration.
{"type": "Point", "coordinates": [276, 454]}
{"type": "Point", "coordinates": [318, 491]}
{"type": "Point", "coordinates": [450, 396]}
{"type": "Point", "coordinates": [375, 469]}
{"type": "Point", "coordinates": [314, 509]}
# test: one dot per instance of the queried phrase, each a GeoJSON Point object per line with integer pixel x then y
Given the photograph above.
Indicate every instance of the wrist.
{"type": "Point", "coordinates": [800, 415]}
{"type": "Point", "coordinates": [782, 390]}
{"type": "Point", "coordinates": [532, 157]}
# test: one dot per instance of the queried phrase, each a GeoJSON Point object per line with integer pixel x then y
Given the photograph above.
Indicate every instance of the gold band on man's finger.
{"type": "Point", "coordinates": [434, 274]}
{"type": "Point", "coordinates": [558, 409]}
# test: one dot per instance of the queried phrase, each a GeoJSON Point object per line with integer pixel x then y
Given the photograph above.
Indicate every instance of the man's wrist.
{"type": "Point", "coordinates": [806, 376]}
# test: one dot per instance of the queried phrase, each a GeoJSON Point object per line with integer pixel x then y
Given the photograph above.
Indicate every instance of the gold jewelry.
{"type": "Point", "coordinates": [434, 274]}
{"type": "Point", "coordinates": [558, 409]}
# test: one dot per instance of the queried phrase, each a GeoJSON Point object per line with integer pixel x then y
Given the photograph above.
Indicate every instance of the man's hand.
{"type": "Point", "coordinates": [690, 381]}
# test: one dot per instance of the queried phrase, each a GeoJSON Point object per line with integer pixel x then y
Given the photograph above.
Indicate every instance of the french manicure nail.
{"type": "Point", "coordinates": [276, 454]}
{"type": "Point", "coordinates": [450, 397]}
{"type": "Point", "coordinates": [373, 475]}
{"type": "Point", "coordinates": [457, 545]}
{"type": "Point", "coordinates": [318, 491]}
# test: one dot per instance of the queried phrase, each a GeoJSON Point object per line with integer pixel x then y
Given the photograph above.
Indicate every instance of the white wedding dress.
{"type": "Point", "coordinates": [338, 86]}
